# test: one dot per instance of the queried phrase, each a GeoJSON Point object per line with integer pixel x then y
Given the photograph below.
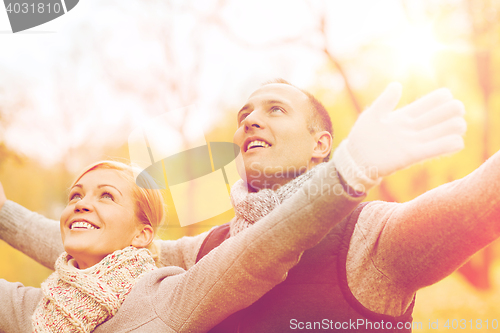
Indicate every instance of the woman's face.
{"type": "Point", "coordinates": [99, 218]}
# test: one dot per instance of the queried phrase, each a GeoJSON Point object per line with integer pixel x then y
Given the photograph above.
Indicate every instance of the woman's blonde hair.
{"type": "Point", "coordinates": [150, 206]}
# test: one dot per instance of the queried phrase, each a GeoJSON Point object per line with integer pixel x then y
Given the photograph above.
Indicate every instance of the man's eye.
{"type": "Point", "coordinates": [277, 109]}
{"type": "Point", "coordinates": [242, 117]}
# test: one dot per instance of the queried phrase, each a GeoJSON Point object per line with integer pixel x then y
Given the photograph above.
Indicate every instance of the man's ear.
{"type": "Point", "coordinates": [144, 236]}
{"type": "Point", "coordinates": [323, 145]}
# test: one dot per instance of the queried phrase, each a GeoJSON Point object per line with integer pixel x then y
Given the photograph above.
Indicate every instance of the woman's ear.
{"type": "Point", "coordinates": [144, 236]}
{"type": "Point", "coordinates": [323, 146]}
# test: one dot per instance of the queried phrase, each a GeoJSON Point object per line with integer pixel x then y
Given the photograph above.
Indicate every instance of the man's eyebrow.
{"type": "Point", "coordinates": [275, 101]}
{"type": "Point", "coordinates": [266, 102]}
{"type": "Point", "coordinates": [103, 185]}
{"type": "Point", "coordinates": [244, 108]}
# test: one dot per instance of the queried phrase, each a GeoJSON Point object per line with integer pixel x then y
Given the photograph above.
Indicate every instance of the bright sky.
{"type": "Point", "coordinates": [229, 69]}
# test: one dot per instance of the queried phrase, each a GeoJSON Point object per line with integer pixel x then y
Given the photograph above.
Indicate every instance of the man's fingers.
{"type": "Point", "coordinates": [453, 126]}
{"type": "Point", "coordinates": [449, 110]}
{"type": "Point", "coordinates": [387, 101]}
{"type": "Point", "coordinates": [428, 102]}
{"type": "Point", "coordinates": [442, 146]}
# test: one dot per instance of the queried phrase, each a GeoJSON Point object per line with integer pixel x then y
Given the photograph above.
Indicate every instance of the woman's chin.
{"type": "Point", "coordinates": [76, 249]}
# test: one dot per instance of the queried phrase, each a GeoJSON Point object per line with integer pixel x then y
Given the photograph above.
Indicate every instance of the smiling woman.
{"type": "Point", "coordinates": [105, 228]}
{"type": "Point", "coordinates": [101, 215]}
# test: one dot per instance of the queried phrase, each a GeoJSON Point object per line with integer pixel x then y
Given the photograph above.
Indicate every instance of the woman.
{"type": "Point", "coordinates": [107, 281]}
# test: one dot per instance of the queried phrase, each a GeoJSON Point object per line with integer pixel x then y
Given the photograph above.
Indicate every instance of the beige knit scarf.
{"type": "Point", "coordinates": [78, 300]}
{"type": "Point", "coordinates": [251, 207]}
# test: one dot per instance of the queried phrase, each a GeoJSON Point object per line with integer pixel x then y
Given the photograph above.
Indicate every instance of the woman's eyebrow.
{"type": "Point", "coordinates": [103, 185]}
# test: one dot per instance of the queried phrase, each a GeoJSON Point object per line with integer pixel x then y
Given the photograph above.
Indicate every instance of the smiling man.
{"type": "Point", "coordinates": [279, 137]}
{"type": "Point", "coordinates": [365, 273]}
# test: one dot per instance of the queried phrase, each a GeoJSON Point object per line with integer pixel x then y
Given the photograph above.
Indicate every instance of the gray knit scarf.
{"type": "Point", "coordinates": [251, 207]}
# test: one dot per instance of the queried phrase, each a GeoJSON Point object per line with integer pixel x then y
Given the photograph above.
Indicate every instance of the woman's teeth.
{"type": "Point", "coordinates": [82, 225]}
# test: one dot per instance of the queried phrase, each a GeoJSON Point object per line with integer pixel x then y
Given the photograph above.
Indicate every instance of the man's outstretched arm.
{"type": "Point", "coordinates": [401, 248]}
{"type": "Point", "coordinates": [438, 231]}
{"type": "Point", "coordinates": [418, 243]}
{"type": "Point", "coordinates": [381, 142]}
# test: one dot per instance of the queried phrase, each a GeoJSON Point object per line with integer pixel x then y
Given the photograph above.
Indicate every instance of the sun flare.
{"type": "Point", "coordinates": [416, 46]}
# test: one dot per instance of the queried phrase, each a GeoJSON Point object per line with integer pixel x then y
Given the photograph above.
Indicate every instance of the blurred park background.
{"type": "Point", "coordinates": [71, 97]}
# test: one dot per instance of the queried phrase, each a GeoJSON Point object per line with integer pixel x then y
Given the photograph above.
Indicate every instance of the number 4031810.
{"type": "Point", "coordinates": [471, 324]}
{"type": "Point", "coordinates": [40, 8]}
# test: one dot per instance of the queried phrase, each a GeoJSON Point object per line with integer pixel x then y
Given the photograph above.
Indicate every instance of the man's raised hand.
{"type": "Point", "coordinates": [383, 141]}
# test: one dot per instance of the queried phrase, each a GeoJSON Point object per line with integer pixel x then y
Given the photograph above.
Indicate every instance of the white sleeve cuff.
{"type": "Point", "coordinates": [355, 176]}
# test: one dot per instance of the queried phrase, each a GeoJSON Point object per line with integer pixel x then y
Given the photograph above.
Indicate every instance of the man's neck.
{"type": "Point", "coordinates": [260, 184]}
{"type": "Point", "coordinates": [274, 183]}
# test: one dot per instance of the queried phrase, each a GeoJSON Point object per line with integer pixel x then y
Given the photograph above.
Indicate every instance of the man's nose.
{"type": "Point", "coordinates": [253, 120]}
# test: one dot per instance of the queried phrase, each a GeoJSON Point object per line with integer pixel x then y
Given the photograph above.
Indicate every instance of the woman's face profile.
{"type": "Point", "coordinates": [99, 218]}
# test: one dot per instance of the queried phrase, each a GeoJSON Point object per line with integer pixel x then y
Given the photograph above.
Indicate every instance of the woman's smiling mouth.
{"type": "Point", "coordinates": [82, 225]}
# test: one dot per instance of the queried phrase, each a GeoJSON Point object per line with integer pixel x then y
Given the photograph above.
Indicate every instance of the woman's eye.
{"type": "Point", "coordinates": [107, 196]}
{"type": "Point", "coordinates": [277, 109]}
{"type": "Point", "coordinates": [75, 196]}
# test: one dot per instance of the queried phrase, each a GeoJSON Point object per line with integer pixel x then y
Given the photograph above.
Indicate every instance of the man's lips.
{"type": "Point", "coordinates": [254, 142]}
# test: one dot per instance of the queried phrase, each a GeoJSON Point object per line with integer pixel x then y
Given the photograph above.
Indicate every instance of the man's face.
{"type": "Point", "coordinates": [273, 136]}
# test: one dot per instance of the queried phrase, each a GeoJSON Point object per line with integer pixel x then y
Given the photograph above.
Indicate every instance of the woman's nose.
{"type": "Point", "coordinates": [83, 205]}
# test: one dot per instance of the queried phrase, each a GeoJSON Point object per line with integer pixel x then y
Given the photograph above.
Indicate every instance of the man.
{"type": "Point", "coordinates": [367, 270]}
